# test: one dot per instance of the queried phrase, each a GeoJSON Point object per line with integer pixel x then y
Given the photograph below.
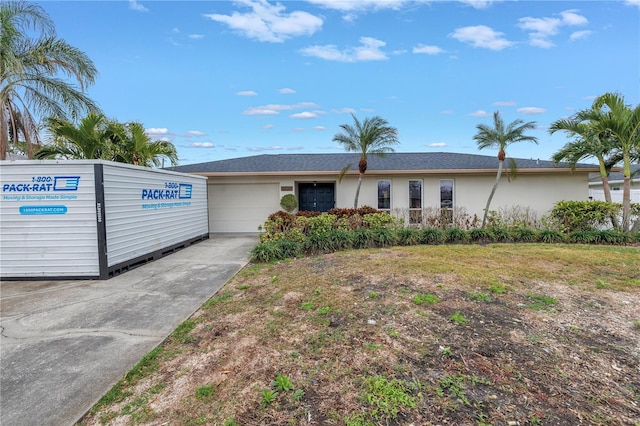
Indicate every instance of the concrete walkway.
{"type": "Point", "coordinates": [64, 344]}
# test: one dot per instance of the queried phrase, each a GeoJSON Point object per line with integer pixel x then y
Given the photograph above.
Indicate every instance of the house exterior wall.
{"type": "Point", "coordinates": [241, 204]}
{"type": "Point", "coordinates": [596, 191]}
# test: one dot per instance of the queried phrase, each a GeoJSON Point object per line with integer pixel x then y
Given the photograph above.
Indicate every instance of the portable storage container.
{"type": "Point", "coordinates": [93, 218]}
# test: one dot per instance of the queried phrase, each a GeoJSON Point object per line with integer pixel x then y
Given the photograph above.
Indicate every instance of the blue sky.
{"type": "Point", "coordinates": [231, 79]}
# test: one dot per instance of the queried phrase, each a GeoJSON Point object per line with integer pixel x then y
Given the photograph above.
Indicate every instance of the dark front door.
{"type": "Point", "coordinates": [316, 197]}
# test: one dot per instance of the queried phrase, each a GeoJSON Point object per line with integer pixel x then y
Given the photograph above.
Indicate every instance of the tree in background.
{"type": "Point", "coordinates": [610, 114]}
{"type": "Point", "coordinates": [371, 136]}
{"type": "Point", "coordinates": [97, 138]}
{"type": "Point", "coordinates": [30, 76]}
{"type": "Point", "coordinates": [90, 139]}
{"type": "Point", "coordinates": [588, 142]}
{"type": "Point", "coordinates": [500, 137]}
{"type": "Point", "coordinates": [134, 146]}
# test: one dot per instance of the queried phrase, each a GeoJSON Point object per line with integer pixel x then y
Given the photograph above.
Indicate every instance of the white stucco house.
{"type": "Point", "coordinates": [616, 180]}
{"type": "Point", "coordinates": [242, 192]}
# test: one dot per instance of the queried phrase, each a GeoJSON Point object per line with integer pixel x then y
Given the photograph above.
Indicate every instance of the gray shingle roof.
{"type": "Point", "coordinates": [615, 176]}
{"type": "Point", "coordinates": [291, 163]}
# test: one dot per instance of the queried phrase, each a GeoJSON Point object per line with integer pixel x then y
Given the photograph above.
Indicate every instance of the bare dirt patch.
{"type": "Point", "coordinates": [500, 334]}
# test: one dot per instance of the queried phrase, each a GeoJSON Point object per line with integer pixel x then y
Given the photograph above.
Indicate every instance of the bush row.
{"type": "Point", "coordinates": [336, 239]}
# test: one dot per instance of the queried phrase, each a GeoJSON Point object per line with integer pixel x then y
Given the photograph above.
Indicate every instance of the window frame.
{"type": "Point", "coordinates": [415, 213]}
{"type": "Point", "coordinates": [453, 198]}
{"type": "Point", "coordinates": [384, 209]}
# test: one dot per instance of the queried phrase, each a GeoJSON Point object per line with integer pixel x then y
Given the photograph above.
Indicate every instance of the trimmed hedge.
{"type": "Point", "coordinates": [344, 239]}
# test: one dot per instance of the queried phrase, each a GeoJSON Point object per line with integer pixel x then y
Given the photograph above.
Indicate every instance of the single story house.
{"type": "Point", "coordinates": [616, 180]}
{"type": "Point", "coordinates": [242, 192]}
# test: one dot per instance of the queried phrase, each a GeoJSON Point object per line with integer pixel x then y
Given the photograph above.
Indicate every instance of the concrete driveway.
{"type": "Point", "coordinates": [64, 344]}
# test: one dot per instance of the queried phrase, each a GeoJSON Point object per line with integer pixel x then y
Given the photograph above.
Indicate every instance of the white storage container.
{"type": "Point", "coordinates": [93, 218]}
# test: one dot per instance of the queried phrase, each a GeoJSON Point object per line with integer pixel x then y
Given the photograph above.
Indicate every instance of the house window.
{"type": "Point", "coordinates": [384, 195]}
{"type": "Point", "coordinates": [415, 201]}
{"type": "Point", "coordinates": [446, 193]}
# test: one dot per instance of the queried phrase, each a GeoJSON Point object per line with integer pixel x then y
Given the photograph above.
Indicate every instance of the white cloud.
{"type": "Point", "coordinates": [632, 2]}
{"type": "Point", "coordinates": [481, 36]}
{"type": "Point", "coordinates": [437, 144]}
{"type": "Point", "coordinates": [304, 115]}
{"type": "Point", "coordinates": [267, 148]}
{"type": "Point", "coordinates": [202, 145]}
{"type": "Point", "coordinates": [196, 36]}
{"type": "Point", "coordinates": [531, 110]}
{"type": "Point", "coordinates": [479, 113]}
{"type": "Point", "coordinates": [579, 35]}
{"type": "Point", "coordinates": [157, 131]}
{"type": "Point", "coordinates": [286, 91]}
{"type": "Point", "coordinates": [269, 22]}
{"type": "Point", "coordinates": [446, 111]}
{"type": "Point", "coordinates": [268, 126]}
{"type": "Point", "coordinates": [134, 5]}
{"type": "Point", "coordinates": [247, 93]}
{"type": "Point", "coordinates": [319, 128]}
{"type": "Point", "coordinates": [542, 29]}
{"type": "Point", "coordinates": [273, 109]}
{"type": "Point", "coordinates": [195, 133]}
{"type": "Point", "coordinates": [504, 103]}
{"type": "Point", "coordinates": [297, 129]}
{"type": "Point", "coordinates": [570, 17]}
{"type": "Point", "coordinates": [344, 111]}
{"type": "Point", "coordinates": [360, 5]}
{"type": "Point", "coordinates": [368, 51]}
{"type": "Point", "coordinates": [478, 4]}
{"type": "Point", "coordinates": [429, 50]}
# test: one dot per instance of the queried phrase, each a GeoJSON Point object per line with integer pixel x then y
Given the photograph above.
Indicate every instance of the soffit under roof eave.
{"type": "Point", "coordinates": [394, 172]}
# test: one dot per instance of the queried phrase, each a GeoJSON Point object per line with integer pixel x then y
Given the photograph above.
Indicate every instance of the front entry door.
{"type": "Point", "coordinates": [316, 197]}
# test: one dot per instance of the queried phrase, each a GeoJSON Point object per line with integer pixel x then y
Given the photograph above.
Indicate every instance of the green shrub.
{"type": "Point", "coordinates": [585, 237]}
{"type": "Point", "coordinates": [456, 235]}
{"type": "Point", "coordinates": [550, 236]}
{"type": "Point", "coordinates": [363, 238]}
{"type": "Point", "coordinates": [384, 237]}
{"type": "Point", "coordinates": [341, 239]}
{"type": "Point", "coordinates": [611, 236]}
{"type": "Point", "coordinates": [265, 252]}
{"type": "Point", "coordinates": [378, 220]}
{"type": "Point", "coordinates": [481, 235]}
{"type": "Point", "coordinates": [319, 243]}
{"type": "Point", "coordinates": [501, 234]}
{"type": "Point", "coordinates": [289, 202]}
{"type": "Point", "coordinates": [408, 237]}
{"type": "Point", "coordinates": [321, 224]}
{"type": "Point", "coordinates": [523, 235]}
{"type": "Point", "coordinates": [583, 215]}
{"type": "Point", "coordinates": [288, 248]}
{"type": "Point", "coordinates": [432, 236]}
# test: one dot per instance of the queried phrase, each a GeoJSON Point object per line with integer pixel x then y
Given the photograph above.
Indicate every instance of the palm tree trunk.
{"type": "Point", "coordinates": [626, 193]}
{"type": "Point", "coordinates": [355, 202]}
{"type": "Point", "coordinates": [4, 135]}
{"type": "Point", "coordinates": [607, 197]}
{"type": "Point", "coordinates": [493, 191]}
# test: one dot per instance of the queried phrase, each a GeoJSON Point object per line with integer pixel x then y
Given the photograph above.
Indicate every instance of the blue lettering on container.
{"type": "Point", "coordinates": [66, 183]}
{"type": "Point", "coordinates": [40, 210]}
{"type": "Point", "coordinates": [185, 190]}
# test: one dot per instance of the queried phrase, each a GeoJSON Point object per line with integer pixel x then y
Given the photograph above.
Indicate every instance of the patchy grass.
{"type": "Point", "coordinates": [522, 334]}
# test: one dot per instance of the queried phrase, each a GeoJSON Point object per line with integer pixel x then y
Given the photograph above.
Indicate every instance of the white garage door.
{"type": "Point", "coordinates": [241, 207]}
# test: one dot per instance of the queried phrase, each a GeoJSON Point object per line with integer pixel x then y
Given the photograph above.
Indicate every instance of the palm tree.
{"type": "Point", "coordinates": [91, 139]}
{"type": "Point", "coordinates": [501, 137]}
{"type": "Point", "coordinates": [98, 138]}
{"type": "Point", "coordinates": [30, 75]}
{"type": "Point", "coordinates": [134, 146]}
{"type": "Point", "coordinates": [623, 122]}
{"type": "Point", "coordinates": [372, 136]}
{"type": "Point", "coordinates": [588, 143]}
